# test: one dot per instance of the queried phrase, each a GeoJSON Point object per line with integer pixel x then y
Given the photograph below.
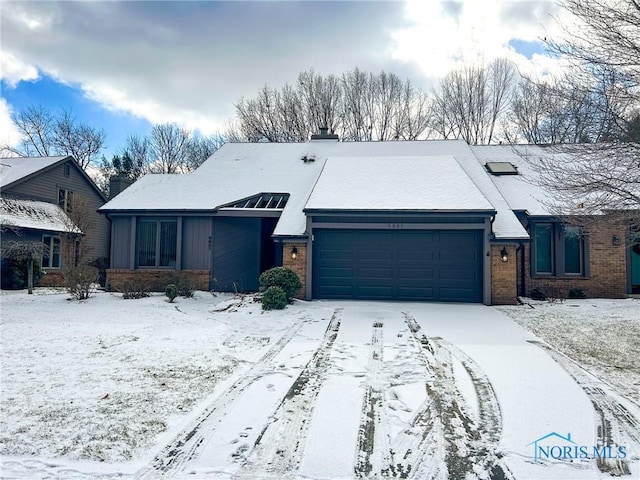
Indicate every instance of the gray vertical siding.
{"type": "Point", "coordinates": [44, 187]}
{"type": "Point", "coordinates": [236, 254]}
{"type": "Point", "coordinates": [196, 243]}
{"type": "Point", "coordinates": [121, 242]}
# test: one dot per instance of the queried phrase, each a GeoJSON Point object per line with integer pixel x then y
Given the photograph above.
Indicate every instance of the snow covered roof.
{"type": "Point", "coordinates": [35, 215]}
{"type": "Point", "coordinates": [240, 170]}
{"type": "Point", "coordinates": [13, 169]}
{"type": "Point", "coordinates": [396, 183]}
{"type": "Point", "coordinates": [521, 191]}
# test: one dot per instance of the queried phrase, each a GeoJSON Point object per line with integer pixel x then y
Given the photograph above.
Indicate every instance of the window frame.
{"type": "Point", "coordinates": [157, 253]}
{"type": "Point", "coordinates": [558, 250]}
{"type": "Point", "coordinates": [49, 243]}
{"type": "Point", "coordinates": [65, 200]}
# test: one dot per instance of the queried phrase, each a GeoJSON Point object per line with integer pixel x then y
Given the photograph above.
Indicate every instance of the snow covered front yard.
{"type": "Point", "coordinates": [212, 387]}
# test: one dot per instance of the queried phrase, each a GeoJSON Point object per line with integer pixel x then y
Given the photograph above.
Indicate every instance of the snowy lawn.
{"type": "Point", "coordinates": [101, 379]}
{"type": "Point", "coordinates": [212, 387]}
{"type": "Point", "coordinates": [602, 335]}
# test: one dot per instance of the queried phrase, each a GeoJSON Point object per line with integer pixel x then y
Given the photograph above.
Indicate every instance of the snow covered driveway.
{"type": "Point", "coordinates": [320, 390]}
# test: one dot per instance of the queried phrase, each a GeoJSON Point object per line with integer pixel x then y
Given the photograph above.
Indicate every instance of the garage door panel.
{"type": "Point", "coordinates": [337, 274]}
{"type": "Point", "coordinates": [415, 274]}
{"type": "Point", "coordinates": [457, 295]}
{"type": "Point", "coordinates": [400, 265]}
{"type": "Point", "coordinates": [332, 254]}
{"type": "Point", "coordinates": [458, 275]}
{"type": "Point", "coordinates": [375, 273]}
{"type": "Point", "coordinates": [374, 292]}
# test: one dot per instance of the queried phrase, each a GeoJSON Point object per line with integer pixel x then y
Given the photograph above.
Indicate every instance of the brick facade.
{"type": "Point", "coordinates": [298, 265]}
{"type": "Point", "coordinates": [52, 278]}
{"type": "Point", "coordinates": [503, 275]}
{"type": "Point", "coordinates": [155, 280]}
{"type": "Point", "coordinates": [607, 272]}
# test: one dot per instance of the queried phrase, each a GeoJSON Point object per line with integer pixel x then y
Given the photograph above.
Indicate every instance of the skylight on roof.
{"type": "Point", "coordinates": [270, 201]}
{"type": "Point", "coordinates": [501, 168]}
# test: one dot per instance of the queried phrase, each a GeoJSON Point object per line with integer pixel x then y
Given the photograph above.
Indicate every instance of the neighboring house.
{"type": "Point", "coordinates": [415, 220]}
{"type": "Point", "coordinates": [50, 200]}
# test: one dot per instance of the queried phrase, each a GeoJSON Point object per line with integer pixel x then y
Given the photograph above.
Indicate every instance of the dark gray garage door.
{"type": "Point", "coordinates": [439, 265]}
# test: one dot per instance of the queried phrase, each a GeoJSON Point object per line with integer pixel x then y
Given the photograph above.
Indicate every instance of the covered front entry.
{"type": "Point", "coordinates": [425, 265]}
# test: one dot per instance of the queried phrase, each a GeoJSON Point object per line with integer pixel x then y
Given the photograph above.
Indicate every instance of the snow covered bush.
{"type": "Point", "coordinates": [282, 277]}
{"type": "Point", "coordinates": [185, 286]}
{"type": "Point", "coordinates": [81, 281]}
{"type": "Point", "coordinates": [14, 273]}
{"type": "Point", "coordinates": [274, 298]}
{"type": "Point", "coordinates": [171, 292]}
{"type": "Point", "coordinates": [134, 289]}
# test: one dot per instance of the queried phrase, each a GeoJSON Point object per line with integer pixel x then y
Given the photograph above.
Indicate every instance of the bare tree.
{"type": "Point", "coordinates": [603, 40]}
{"type": "Point", "coordinates": [591, 185]}
{"type": "Point", "coordinates": [358, 105]}
{"type": "Point", "coordinates": [471, 100]}
{"type": "Point", "coordinates": [46, 134]}
{"type": "Point", "coordinates": [167, 149]}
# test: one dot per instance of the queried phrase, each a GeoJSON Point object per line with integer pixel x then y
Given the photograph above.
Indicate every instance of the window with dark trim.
{"type": "Point", "coordinates": [67, 170]}
{"type": "Point", "coordinates": [65, 200]}
{"type": "Point", "coordinates": [50, 251]}
{"type": "Point", "coordinates": [558, 250]}
{"type": "Point", "coordinates": [156, 242]}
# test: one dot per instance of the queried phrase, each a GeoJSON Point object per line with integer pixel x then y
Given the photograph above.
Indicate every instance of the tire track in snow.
{"type": "Point", "coordinates": [615, 423]}
{"type": "Point", "coordinates": [278, 449]}
{"type": "Point", "coordinates": [469, 447]}
{"type": "Point", "coordinates": [173, 457]}
{"type": "Point", "coordinates": [373, 453]}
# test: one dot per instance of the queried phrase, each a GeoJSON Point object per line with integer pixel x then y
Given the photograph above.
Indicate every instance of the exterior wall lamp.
{"type": "Point", "coordinates": [504, 255]}
{"type": "Point", "coordinates": [294, 253]}
{"type": "Point", "coordinates": [615, 241]}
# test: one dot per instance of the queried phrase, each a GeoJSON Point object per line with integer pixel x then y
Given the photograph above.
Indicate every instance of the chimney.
{"type": "Point", "coordinates": [324, 135]}
{"type": "Point", "coordinates": [118, 184]}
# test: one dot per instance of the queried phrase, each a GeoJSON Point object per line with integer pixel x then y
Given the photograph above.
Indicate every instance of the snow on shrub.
{"type": "Point", "coordinates": [274, 298]}
{"type": "Point", "coordinates": [282, 277]}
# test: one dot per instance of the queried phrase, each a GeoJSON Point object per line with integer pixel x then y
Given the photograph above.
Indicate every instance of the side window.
{"type": "Point", "coordinates": [65, 200]}
{"type": "Point", "coordinates": [557, 250]}
{"type": "Point", "coordinates": [50, 251]}
{"type": "Point", "coordinates": [156, 244]}
{"type": "Point", "coordinates": [543, 244]}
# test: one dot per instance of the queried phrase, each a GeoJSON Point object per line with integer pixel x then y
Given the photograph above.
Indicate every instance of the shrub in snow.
{"type": "Point", "coordinates": [185, 286]}
{"type": "Point", "coordinates": [14, 273]}
{"type": "Point", "coordinates": [282, 277]}
{"type": "Point", "coordinates": [274, 298]}
{"type": "Point", "coordinates": [171, 292]}
{"type": "Point", "coordinates": [537, 294]}
{"type": "Point", "coordinates": [577, 293]}
{"type": "Point", "coordinates": [134, 289]}
{"type": "Point", "coordinates": [81, 281]}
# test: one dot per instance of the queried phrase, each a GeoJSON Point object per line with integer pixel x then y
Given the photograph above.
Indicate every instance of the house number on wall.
{"type": "Point", "coordinates": [396, 226]}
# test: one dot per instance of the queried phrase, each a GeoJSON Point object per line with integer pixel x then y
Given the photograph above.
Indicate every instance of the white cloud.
{"type": "Point", "coordinates": [189, 62]}
{"type": "Point", "coordinates": [442, 35]}
{"type": "Point", "coordinates": [13, 71]}
{"type": "Point", "coordinates": [8, 132]}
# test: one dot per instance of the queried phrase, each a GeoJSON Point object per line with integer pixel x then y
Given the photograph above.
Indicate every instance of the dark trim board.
{"type": "Point", "coordinates": [420, 265]}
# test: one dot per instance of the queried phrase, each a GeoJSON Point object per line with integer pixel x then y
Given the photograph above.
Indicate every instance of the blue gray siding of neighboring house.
{"type": "Point", "coordinates": [121, 242]}
{"type": "Point", "coordinates": [44, 187]}
{"type": "Point", "coordinates": [236, 254]}
{"type": "Point", "coordinates": [196, 243]}
{"type": "Point", "coordinates": [228, 247]}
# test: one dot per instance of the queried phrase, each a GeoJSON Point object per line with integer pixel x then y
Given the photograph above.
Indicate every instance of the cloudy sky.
{"type": "Point", "coordinates": [123, 65]}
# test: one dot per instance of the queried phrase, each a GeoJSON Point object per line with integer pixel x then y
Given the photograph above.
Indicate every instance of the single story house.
{"type": "Point", "coordinates": [415, 220]}
{"type": "Point", "coordinates": [48, 199]}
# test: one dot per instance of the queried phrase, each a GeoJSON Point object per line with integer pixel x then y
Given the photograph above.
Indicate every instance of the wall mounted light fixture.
{"type": "Point", "coordinates": [294, 253]}
{"type": "Point", "coordinates": [504, 254]}
{"type": "Point", "coordinates": [615, 241]}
